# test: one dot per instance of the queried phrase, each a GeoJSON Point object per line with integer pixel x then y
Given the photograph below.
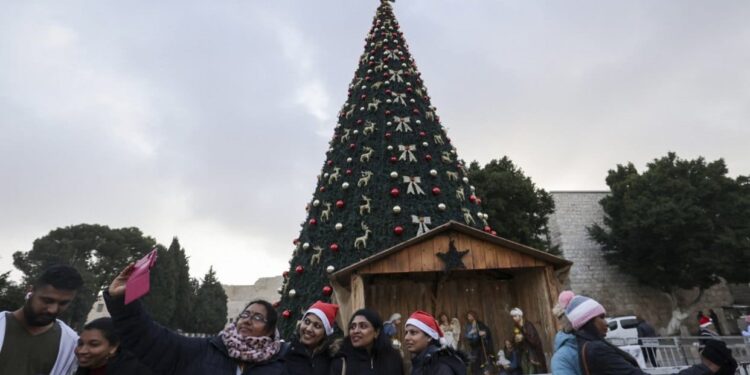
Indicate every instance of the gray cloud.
{"type": "Point", "coordinates": [210, 121]}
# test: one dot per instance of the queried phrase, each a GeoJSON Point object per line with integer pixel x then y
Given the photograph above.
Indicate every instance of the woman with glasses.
{"type": "Point", "coordinates": [251, 345]}
{"type": "Point", "coordinates": [310, 349]}
{"type": "Point", "coordinates": [366, 350]}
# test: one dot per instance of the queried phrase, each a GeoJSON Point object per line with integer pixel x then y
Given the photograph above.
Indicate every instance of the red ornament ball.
{"type": "Point", "coordinates": [352, 146]}
{"type": "Point", "coordinates": [363, 96]}
{"type": "Point", "coordinates": [327, 290]}
{"type": "Point", "coordinates": [415, 111]}
{"type": "Point", "coordinates": [388, 92]}
{"type": "Point", "coordinates": [393, 160]}
{"type": "Point", "coordinates": [395, 193]}
{"type": "Point", "coordinates": [322, 189]}
{"type": "Point", "coordinates": [286, 314]}
{"type": "Point", "coordinates": [472, 198]}
{"type": "Point", "coordinates": [313, 221]}
{"type": "Point", "coordinates": [422, 134]}
{"type": "Point", "coordinates": [398, 230]}
{"type": "Point", "coordinates": [329, 162]}
{"type": "Point", "coordinates": [334, 247]}
{"type": "Point", "coordinates": [428, 157]}
{"type": "Point", "coordinates": [487, 229]}
{"type": "Point", "coordinates": [359, 121]}
{"type": "Point", "coordinates": [300, 270]}
{"type": "Point", "coordinates": [436, 191]}
{"type": "Point", "coordinates": [409, 90]}
{"type": "Point", "coordinates": [339, 203]}
{"type": "Point", "coordinates": [348, 172]}
{"type": "Point", "coordinates": [494, 233]}
{"type": "Point", "coordinates": [388, 135]}
{"type": "Point", "coordinates": [295, 241]}
{"type": "Point", "coordinates": [387, 112]}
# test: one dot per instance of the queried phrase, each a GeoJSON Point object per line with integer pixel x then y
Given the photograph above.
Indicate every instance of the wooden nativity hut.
{"type": "Point", "coordinates": [454, 269]}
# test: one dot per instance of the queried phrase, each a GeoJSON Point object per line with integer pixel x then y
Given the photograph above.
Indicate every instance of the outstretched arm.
{"type": "Point", "coordinates": [157, 347]}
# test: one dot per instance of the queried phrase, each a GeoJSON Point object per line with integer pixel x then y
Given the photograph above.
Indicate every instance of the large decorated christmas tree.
{"type": "Point", "coordinates": [390, 173]}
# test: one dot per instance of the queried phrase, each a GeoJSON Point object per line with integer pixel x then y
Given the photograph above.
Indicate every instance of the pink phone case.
{"type": "Point", "coordinates": [139, 282]}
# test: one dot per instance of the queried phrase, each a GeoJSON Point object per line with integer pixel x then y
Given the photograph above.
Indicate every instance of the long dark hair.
{"type": "Point", "coordinates": [381, 341]}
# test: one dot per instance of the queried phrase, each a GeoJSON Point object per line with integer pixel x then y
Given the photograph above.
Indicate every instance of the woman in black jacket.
{"type": "Point", "coordinates": [429, 355]}
{"type": "Point", "coordinates": [309, 352]}
{"type": "Point", "coordinates": [596, 354]}
{"type": "Point", "coordinates": [366, 350]}
{"type": "Point", "coordinates": [98, 352]}
{"type": "Point", "coordinates": [249, 346]}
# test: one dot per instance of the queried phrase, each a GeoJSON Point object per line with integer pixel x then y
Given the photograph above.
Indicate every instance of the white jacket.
{"type": "Point", "coordinates": [66, 358]}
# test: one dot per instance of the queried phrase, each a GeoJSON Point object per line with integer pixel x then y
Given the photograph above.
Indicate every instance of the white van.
{"type": "Point", "coordinates": [622, 330]}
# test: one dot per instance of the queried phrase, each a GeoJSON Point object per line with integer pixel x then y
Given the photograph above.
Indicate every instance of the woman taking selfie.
{"type": "Point", "coordinates": [249, 346]}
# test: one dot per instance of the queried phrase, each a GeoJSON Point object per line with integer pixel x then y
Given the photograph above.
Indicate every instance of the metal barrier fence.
{"type": "Point", "coordinates": [668, 355]}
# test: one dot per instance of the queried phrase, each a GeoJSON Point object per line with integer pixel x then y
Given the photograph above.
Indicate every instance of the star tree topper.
{"type": "Point", "coordinates": [452, 257]}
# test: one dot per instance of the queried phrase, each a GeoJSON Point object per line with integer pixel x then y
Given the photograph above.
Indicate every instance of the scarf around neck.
{"type": "Point", "coordinates": [249, 349]}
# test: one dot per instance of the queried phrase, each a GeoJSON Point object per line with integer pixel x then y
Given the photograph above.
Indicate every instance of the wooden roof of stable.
{"type": "Point", "coordinates": [489, 252]}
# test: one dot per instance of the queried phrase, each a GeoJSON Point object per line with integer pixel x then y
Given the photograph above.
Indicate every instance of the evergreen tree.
{"type": "Point", "coordinates": [210, 310]}
{"type": "Point", "coordinates": [11, 294]}
{"type": "Point", "coordinates": [390, 173]}
{"type": "Point", "coordinates": [681, 224]}
{"type": "Point", "coordinates": [184, 293]}
{"type": "Point", "coordinates": [518, 210]}
{"type": "Point", "coordinates": [96, 251]}
{"type": "Point", "coordinates": [160, 302]}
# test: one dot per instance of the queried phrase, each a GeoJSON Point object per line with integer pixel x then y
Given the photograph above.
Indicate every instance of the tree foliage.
{"type": "Point", "coordinates": [678, 225]}
{"type": "Point", "coordinates": [96, 251]}
{"type": "Point", "coordinates": [517, 209]}
{"type": "Point", "coordinates": [210, 309]}
{"type": "Point", "coordinates": [99, 253]}
{"type": "Point", "coordinates": [11, 294]}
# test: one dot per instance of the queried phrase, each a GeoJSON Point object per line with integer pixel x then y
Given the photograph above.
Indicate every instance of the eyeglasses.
{"type": "Point", "coordinates": [257, 317]}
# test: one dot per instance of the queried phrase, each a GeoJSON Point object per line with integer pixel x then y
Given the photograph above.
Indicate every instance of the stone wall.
{"type": "Point", "coordinates": [592, 276]}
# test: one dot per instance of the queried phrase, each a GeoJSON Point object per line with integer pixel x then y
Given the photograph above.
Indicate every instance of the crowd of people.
{"type": "Point", "coordinates": [33, 341]}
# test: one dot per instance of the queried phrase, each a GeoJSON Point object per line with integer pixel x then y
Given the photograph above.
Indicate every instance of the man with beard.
{"type": "Point", "coordinates": [32, 340]}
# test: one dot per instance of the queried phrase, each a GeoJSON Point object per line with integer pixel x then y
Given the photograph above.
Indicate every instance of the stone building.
{"type": "Point", "coordinates": [621, 294]}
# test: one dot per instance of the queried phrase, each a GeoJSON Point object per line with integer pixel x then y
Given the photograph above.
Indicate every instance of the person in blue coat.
{"type": "Point", "coordinates": [565, 361]}
{"type": "Point", "coordinates": [251, 346]}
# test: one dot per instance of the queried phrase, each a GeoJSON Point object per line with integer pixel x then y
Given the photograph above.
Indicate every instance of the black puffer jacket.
{"type": "Point", "coordinates": [168, 353]}
{"type": "Point", "coordinates": [386, 361]}
{"type": "Point", "coordinates": [122, 364]}
{"type": "Point", "coordinates": [299, 361]}
{"type": "Point", "coordinates": [438, 361]}
{"type": "Point", "coordinates": [603, 358]}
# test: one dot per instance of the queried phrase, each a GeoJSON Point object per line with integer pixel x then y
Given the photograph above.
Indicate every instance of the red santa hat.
{"type": "Point", "coordinates": [427, 324]}
{"type": "Point", "coordinates": [327, 314]}
{"type": "Point", "coordinates": [705, 321]}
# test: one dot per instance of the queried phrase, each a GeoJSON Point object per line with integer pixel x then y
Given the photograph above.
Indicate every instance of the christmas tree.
{"type": "Point", "coordinates": [390, 173]}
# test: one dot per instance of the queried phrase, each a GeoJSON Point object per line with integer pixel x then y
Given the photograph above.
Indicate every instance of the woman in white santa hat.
{"type": "Point", "coordinates": [425, 341]}
{"type": "Point", "coordinates": [310, 349]}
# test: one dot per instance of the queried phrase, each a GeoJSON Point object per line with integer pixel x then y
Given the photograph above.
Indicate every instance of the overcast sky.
{"type": "Point", "coordinates": [209, 120]}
